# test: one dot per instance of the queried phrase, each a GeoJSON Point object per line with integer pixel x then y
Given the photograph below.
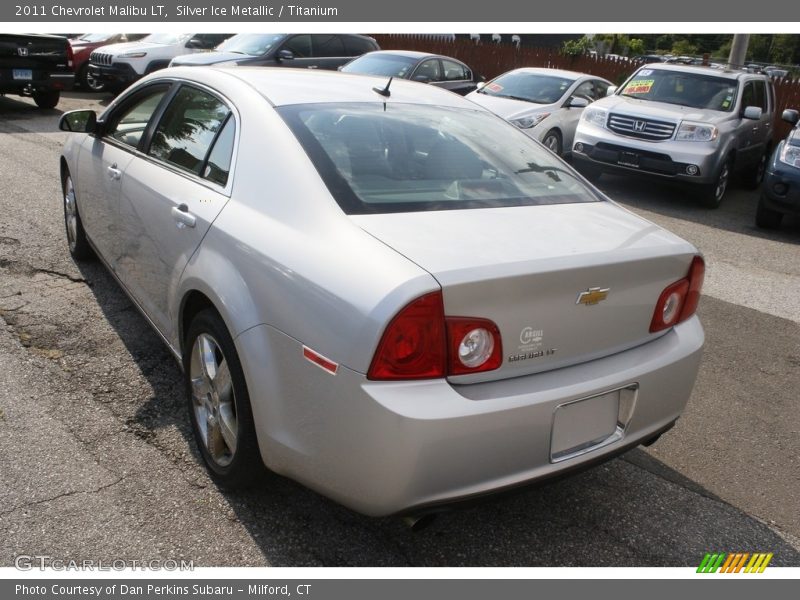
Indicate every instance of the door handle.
{"type": "Point", "coordinates": [113, 172]}
{"type": "Point", "coordinates": [182, 215]}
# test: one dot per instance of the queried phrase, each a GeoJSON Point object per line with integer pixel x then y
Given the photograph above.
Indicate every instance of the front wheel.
{"type": "Point", "coordinates": [89, 82]}
{"type": "Point", "coordinates": [219, 404]}
{"type": "Point", "coordinates": [79, 246]}
{"type": "Point", "coordinates": [552, 141]}
{"type": "Point", "coordinates": [711, 195]}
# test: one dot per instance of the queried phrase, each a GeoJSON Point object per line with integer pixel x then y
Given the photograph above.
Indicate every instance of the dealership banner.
{"type": "Point", "coordinates": [443, 11]}
{"type": "Point", "coordinates": [390, 589]}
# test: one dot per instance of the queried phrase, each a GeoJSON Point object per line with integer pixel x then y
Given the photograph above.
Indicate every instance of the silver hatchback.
{"type": "Point", "coordinates": [380, 289]}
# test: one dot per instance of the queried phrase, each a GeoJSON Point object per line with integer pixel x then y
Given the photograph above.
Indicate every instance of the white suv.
{"type": "Point", "coordinates": [692, 124]}
{"type": "Point", "coordinates": [119, 65]}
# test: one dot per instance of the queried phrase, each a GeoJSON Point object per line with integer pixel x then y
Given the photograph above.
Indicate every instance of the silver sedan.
{"type": "Point", "coordinates": [545, 103]}
{"type": "Point", "coordinates": [380, 289]}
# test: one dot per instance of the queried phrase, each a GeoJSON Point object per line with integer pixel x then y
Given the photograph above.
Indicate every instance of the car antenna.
{"type": "Point", "coordinates": [384, 91]}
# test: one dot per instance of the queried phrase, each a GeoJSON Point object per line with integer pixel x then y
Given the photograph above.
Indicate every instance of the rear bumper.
{"type": "Point", "coordinates": [383, 447]}
{"type": "Point", "coordinates": [667, 160]}
{"type": "Point", "coordinates": [41, 81]}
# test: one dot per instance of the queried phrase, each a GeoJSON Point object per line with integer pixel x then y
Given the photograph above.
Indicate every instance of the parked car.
{"type": "Point", "coordinates": [39, 66]}
{"type": "Point", "coordinates": [118, 65]}
{"type": "Point", "coordinates": [302, 51]}
{"type": "Point", "coordinates": [545, 103]}
{"type": "Point", "coordinates": [695, 125]}
{"type": "Point", "coordinates": [440, 71]}
{"type": "Point", "coordinates": [82, 47]}
{"type": "Point", "coordinates": [780, 193]}
{"type": "Point", "coordinates": [400, 301]}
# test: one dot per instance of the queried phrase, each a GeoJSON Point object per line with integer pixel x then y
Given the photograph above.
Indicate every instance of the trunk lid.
{"type": "Point", "coordinates": [37, 52]}
{"type": "Point", "coordinates": [525, 268]}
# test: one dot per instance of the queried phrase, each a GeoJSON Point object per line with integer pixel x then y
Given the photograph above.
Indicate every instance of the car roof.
{"type": "Point", "coordinates": [284, 86]}
{"type": "Point", "coordinates": [700, 70]}
{"type": "Point", "coordinates": [554, 72]}
{"type": "Point", "coordinates": [406, 53]}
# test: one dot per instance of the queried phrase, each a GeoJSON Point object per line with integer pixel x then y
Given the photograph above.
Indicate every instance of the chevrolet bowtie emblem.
{"type": "Point", "coordinates": [592, 296]}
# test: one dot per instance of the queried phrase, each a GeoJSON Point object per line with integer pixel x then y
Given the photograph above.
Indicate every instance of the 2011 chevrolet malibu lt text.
{"type": "Point", "coordinates": [380, 289]}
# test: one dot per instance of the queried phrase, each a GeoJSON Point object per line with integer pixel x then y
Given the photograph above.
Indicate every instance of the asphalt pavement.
{"type": "Point", "coordinates": [98, 461]}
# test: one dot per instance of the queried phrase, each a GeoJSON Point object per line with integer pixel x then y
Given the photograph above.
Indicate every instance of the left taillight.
{"type": "Point", "coordinates": [420, 342]}
{"type": "Point", "coordinates": [70, 56]}
{"type": "Point", "coordinates": [679, 300]}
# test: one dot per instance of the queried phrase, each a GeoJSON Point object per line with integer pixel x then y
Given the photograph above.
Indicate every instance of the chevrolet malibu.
{"type": "Point", "coordinates": [380, 289]}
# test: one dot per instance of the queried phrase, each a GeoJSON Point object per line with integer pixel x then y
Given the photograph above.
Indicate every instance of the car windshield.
{"type": "Point", "coordinates": [384, 158]}
{"type": "Point", "coordinates": [167, 39]}
{"type": "Point", "coordinates": [530, 87]}
{"type": "Point", "coordinates": [95, 37]}
{"type": "Point", "coordinates": [695, 90]}
{"type": "Point", "coordinates": [254, 44]}
{"type": "Point", "coordinates": [386, 65]}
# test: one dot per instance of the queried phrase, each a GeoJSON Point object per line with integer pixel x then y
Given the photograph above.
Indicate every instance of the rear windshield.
{"type": "Point", "coordinates": [384, 158]}
{"type": "Point", "coordinates": [685, 89]}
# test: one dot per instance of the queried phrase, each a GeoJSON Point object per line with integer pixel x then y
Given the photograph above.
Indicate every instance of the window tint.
{"type": "Point", "coordinates": [356, 46]}
{"type": "Point", "coordinates": [585, 90]}
{"type": "Point", "coordinates": [188, 128]}
{"type": "Point", "coordinates": [428, 71]}
{"type": "Point", "coordinates": [760, 95]}
{"type": "Point", "coordinates": [397, 157]}
{"type": "Point", "coordinates": [328, 46]}
{"type": "Point", "coordinates": [129, 123]}
{"type": "Point", "coordinates": [601, 88]}
{"type": "Point", "coordinates": [219, 161]}
{"type": "Point", "coordinates": [454, 71]}
{"type": "Point", "coordinates": [300, 46]}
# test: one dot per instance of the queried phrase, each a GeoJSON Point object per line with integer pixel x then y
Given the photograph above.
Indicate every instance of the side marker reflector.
{"type": "Point", "coordinates": [319, 360]}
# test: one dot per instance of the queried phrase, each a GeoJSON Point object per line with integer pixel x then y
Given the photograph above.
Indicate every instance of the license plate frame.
{"type": "Point", "coordinates": [22, 74]}
{"type": "Point", "coordinates": [629, 159]}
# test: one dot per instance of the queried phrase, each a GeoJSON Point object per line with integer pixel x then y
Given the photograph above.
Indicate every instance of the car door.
{"type": "Point", "coordinates": [568, 117]}
{"type": "Point", "coordinates": [103, 160]}
{"type": "Point", "coordinates": [427, 71]}
{"type": "Point", "coordinates": [456, 77]}
{"type": "Point", "coordinates": [328, 51]}
{"type": "Point", "coordinates": [762, 129]}
{"type": "Point", "coordinates": [749, 132]}
{"type": "Point", "coordinates": [302, 52]}
{"type": "Point", "coordinates": [171, 194]}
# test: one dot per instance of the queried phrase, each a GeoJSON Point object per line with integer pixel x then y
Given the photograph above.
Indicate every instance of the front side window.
{"type": "Point", "coordinates": [188, 128]}
{"type": "Point", "coordinates": [428, 70]}
{"type": "Point", "coordinates": [327, 46]}
{"type": "Point", "coordinates": [407, 157]}
{"type": "Point", "coordinates": [299, 45]}
{"type": "Point", "coordinates": [127, 125]}
{"type": "Point", "coordinates": [695, 90]}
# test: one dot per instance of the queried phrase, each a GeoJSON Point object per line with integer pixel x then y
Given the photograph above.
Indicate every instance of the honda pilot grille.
{"type": "Point", "coordinates": [100, 58]}
{"type": "Point", "coordinates": [646, 129]}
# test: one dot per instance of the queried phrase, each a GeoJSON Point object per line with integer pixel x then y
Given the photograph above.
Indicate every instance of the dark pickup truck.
{"type": "Point", "coordinates": [39, 66]}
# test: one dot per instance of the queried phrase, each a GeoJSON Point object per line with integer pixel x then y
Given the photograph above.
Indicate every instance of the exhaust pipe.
{"type": "Point", "coordinates": [417, 523]}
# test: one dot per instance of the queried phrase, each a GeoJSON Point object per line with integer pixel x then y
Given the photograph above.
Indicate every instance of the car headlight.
{"type": "Point", "coordinates": [790, 155]}
{"type": "Point", "coordinates": [696, 132]}
{"type": "Point", "coordinates": [595, 116]}
{"type": "Point", "coordinates": [133, 55]}
{"type": "Point", "coordinates": [528, 122]}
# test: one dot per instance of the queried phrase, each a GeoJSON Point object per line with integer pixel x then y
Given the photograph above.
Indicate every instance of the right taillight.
{"type": "Point", "coordinates": [421, 343]}
{"type": "Point", "coordinates": [679, 300]}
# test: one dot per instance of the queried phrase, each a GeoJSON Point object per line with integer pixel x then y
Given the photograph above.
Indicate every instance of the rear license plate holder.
{"type": "Point", "coordinates": [22, 74]}
{"type": "Point", "coordinates": [585, 424]}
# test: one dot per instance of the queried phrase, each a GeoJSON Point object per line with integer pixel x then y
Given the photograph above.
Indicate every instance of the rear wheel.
{"type": "Point", "coordinates": [552, 141]}
{"type": "Point", "coordinates": [711, 195]}
{"type": "Point", "coordinates": [219, 404]}
{"type": "Point", "coordinates": [47, 99]}
{"type": "Point", "coordinates": [79, 246]}
{"type": "Point", "coordinates": [766, 218]}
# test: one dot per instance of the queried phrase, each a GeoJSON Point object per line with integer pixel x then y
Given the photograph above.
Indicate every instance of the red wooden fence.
{"type": "Point", "coordinates": [491, 60]}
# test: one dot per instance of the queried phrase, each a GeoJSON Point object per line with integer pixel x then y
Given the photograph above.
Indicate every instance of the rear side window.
{"type": "Point", "coordinates": [454, 71]}
{"type": "Point", "coordinates": [356, 46]}
{"type": "Point", "coordinates": [218, 165]}
{"type": "Point", "coordinates": [188, 129]}
{"type": "Point", "coordinates": [328, 46]}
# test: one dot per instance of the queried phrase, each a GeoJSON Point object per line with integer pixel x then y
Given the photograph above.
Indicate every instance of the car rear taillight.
{"type": "Point", "coordinates": [421, 343]}
{"type": "Point", "coordinates": [70, 56]}
{"type": "Point", "coordinates": [679, 300]}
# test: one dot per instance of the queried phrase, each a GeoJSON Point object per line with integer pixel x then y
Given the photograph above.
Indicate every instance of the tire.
{"type": "Point", "coordinates": [755, 176]}
{"type": "Point", "coordinates": [79, 247]}
{"type": "Point", "coordinates": [219, 404]}
{"type": "Point", "coordinates": [47, 100]}
{"type": "Point", "coordinates": [766, 218]}
{"type": "Point", "coordinates": [552, 141]}
{"type": "Point", "coordinates": [711, 195]}
{"type": "Point", "coordinates": [88, 82]}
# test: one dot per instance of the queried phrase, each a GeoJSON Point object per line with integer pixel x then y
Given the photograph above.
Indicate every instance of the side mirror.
{"type": "Point", "coordinates": [78, 121]}
{"type": "Point", "coordinates": [611, 89]}
{"type": "Point", "coordinates": [576, 102]}
{"type": "Point", "coordinates": [481, 85]}
{"type": "Point", "coordinates": [195, 44]}
{"type": "Point", "coordinates": [790, 116]}
{"type": "Point", "coordinates": [285, 55]}
{"type": "Point", "coordinates": [752, 112]}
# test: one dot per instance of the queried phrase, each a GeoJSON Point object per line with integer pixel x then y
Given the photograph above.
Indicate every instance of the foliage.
{"type": "Point", "coordinates": [577, 47]}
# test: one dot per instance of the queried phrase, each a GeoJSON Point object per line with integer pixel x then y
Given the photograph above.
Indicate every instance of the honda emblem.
{"type": "Point", "coordinates": [22, 51]}
{"type": "Point", "coordinates": [639, 125]}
